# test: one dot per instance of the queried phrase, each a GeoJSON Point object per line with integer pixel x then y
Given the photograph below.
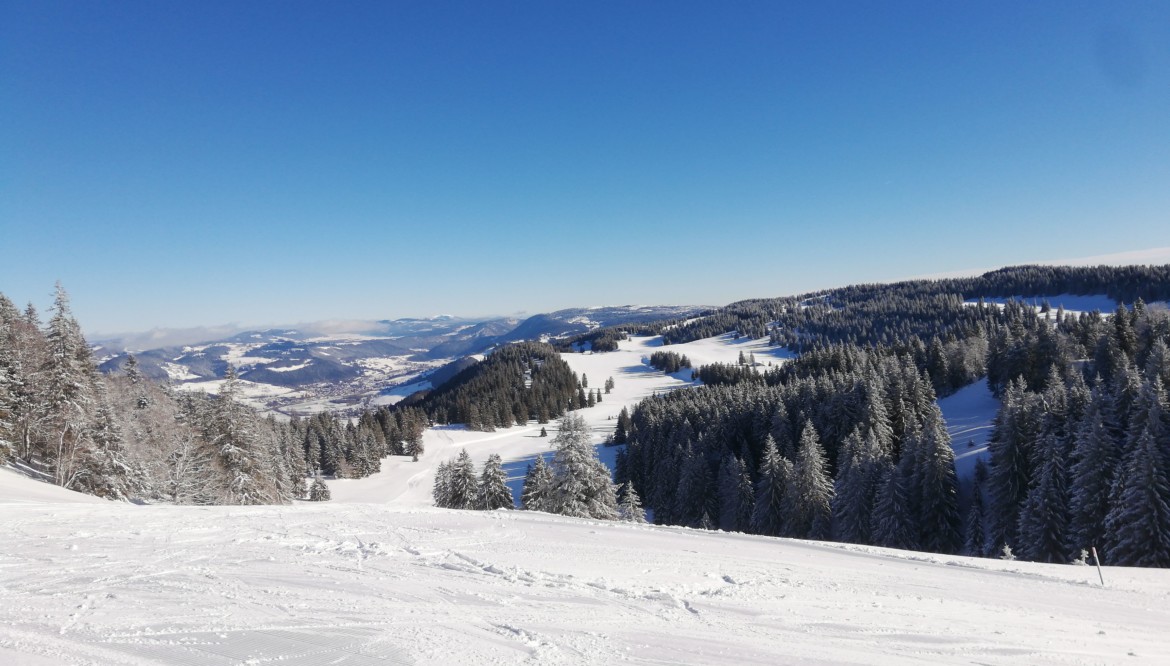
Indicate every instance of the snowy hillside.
{"type": "Point", "coordinates": [363, 584]}
{"type": "Point", "coordinates": [378, 576]}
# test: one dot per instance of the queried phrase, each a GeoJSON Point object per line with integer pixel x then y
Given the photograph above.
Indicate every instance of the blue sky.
{"type": "Point", "coordinates": [182, 164]}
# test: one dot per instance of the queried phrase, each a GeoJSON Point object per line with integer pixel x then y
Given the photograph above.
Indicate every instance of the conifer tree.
{"type": "Point", "coordinates": [1044, 515]}
{"type": "Point", "coordinates": [493, 486]}
{"type": "Point", "coordinates": [630, 509]}
{"type": "Point", "coordinates": [809, 494]}
{"type": "Point", "coordinates": [463, 489]}
{"type": "Point", "coordinates": [938, 509]}
{"type": "Point", "coordinates": [581, 483]}
{"type": "Point", "coordinates": [735, 505]}
{"type": "Point", "coordinates": [976, 535]}
{"type": "Point", "coordinates": [538, 486]}
{"type": "Point", "coordinates": [1095, 460]}
{"type": "Point", "coordinates": [855, 487]}
{"type": "Point", "coordinates": [774, 477]}
{"type": "Point", "coordinates": [319, 491]}
{"type": "Point", "coordinates": [441, 489]}
{"type": "Point", "coordinates": [891, 513]}
{"type": "Point", "coordinates": [1138, 523]}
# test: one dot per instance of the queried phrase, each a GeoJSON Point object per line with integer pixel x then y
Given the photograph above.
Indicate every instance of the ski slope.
{"type": "Point", "coordinates": [356, 584]}
{"type": "Point", "coordinates": [377, 576]}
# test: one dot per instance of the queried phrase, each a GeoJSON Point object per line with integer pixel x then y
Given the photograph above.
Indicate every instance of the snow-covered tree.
{"type": "Point", "coordinates": [493, 486]}
{"type": "Point", "coordinates": [463, 489]}
{"type": "Point", "coordinates": [630, 509]}
{"type": "Point", "coordinates": [1138, 524]}
{"type": "Point", "coordinates": [581, 483]}
{"type": "Point", "coordinates": [855, 487]}
{"type": "Point", "coordinates": [774, 477]}
{"type": "Point", "coordinates": [736, 495]}
{"type": "Point", "coordinates": [441, 489]}
{"type": "Point", "coordinates": [538, 487]}
{"type": "Point", "coordinates": [891, 521]}
{"type": "Point", "coordinates": [809, 494]}
{"type": "Point", "coordinates": [319, 491]}
{"type": "Point", "coordinates": [939, 521]}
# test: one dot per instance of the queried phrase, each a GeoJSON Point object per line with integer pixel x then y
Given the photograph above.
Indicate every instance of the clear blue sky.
{"type": "Point", "coordinates": [191, 163]}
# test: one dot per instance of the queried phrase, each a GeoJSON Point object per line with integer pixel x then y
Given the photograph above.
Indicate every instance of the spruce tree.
{"type": "Point", "coordinates": [855, 487]}
{"type": "Point", "coordinates": [1095, 460]}
{"type": "Point", "coordinates": [1044, 515]}
{"type": "Point", "coordinates": [976, 534]}
{"type": "Point", "coordinates": [891, 512]}
{"type": "Point", "coordinates": [938, 510]}
{"type": "Point", "coordinates": [1138, 523]}
{"type": "Point", "coordinates": [630, 507]}
{"type": "Point", "coordinates": [441, 490]}
{"type": "Point", "coordinates": [774, 474]}
{"type": "Point", "coordinates": [319, 491]}
{"type": "Point", "coordinates": [538, 485]}
{"type": "Point", "coordinates": [463, 489]}
{"type": "Point", "coordinates": [582, 486]}
{"type": "Point", "coordinates": [735, 506]}
{"type": "Point", "coordinates": [493, 486]}
{"type": "Point", "coordinates": [809, 494]}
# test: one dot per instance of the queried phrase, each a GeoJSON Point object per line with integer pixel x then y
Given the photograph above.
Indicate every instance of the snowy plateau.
{"type": "Point", "coordinates": [377, 576]}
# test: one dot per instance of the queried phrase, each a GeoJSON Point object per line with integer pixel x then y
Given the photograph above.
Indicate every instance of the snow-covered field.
{"type": "Point", "coordinates": [377, 576]}
{"type": "Point", "coordinates": [375, 584]}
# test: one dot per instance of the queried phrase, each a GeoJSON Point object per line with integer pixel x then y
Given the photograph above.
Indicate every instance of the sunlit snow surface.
{"type": "Point", "coordinates": [370, 584]}
{"type": "Point", "coordinates": [377, 577]}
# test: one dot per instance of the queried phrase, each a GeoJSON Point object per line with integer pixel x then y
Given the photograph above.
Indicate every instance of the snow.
{"type": "Point", "coordinates": [369, 584]}
{"type": "Point", "coordinates": [177, 372]}
{"type": "Point", "coordinates": [17, 488]}
{"type": "Point", "coordinates": [1073, 304]}
{"type": "Point", "coordinates": [970, 415]}
{"type": "Point", "coordinates": [291, 368]}
{"type": "Point", "coordinates": [378, 576]}
{"type": "Point", "coordinates": [408, 483]}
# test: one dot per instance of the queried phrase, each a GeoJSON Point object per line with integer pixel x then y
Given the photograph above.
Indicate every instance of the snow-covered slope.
{"type": "Point", "coordinates": [368, 584]}
{"type": "Point", "coordinates": [377, 576]}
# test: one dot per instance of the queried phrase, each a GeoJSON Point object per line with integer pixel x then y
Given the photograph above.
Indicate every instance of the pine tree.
{"type": "Point", "coordinates": [581, 483]}
{"type": "Point", "coordinates": [319, 491]}
{"type": "Point", "coordinates": [441, 489]}
{"type": "Point", "coordinates": [855, 487]}
{"type": "Point", "coordinates": [976, 541]}
{"type": "Point", "coordinates": [623, 427]}
{"type": "Point", "coordinates": [774, 475]}
{"type": "Point", "coordinates": [1044, 515]}
{"type": "Point", "coordinates": [808, 497]}
{"type": "Point", "coordinates": [1010, 449]}
{"type": "Point", "coordinates": [1138, 523]}
{"type": "Point", "coordinates": [630, 508]}
{"type": "Point", "coordinates": [463, 490]}
{"type": "Point", "coordinates": [1095, 463]}
{"type": "Point", "coordinates": [735, 505]}
{"type": "Point", "coordinates": [538, 486]}
{"type": "Point", "coordinates": [891, 513]}
{"type": "Point", "coordinates": [938, 510]}
{"type": "Point", "coordinates": [690, 500]}
{"type": "Point", "coordinates": [67, 397]}
{"type": "Point", "coordinates": [493, 486]}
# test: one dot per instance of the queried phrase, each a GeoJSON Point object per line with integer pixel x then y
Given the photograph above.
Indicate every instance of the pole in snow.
{"type": "Point", "coordinates": [1098, 561]}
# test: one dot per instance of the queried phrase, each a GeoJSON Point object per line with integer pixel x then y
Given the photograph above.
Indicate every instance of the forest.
{"type": "Point", "coordinates": [846, 442]}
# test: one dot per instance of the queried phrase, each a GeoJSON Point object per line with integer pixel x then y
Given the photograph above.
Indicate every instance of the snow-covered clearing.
{"type": "Point", "coordinates": [970, 415]}
{"type": "Point", "coordinates": [409, 483]}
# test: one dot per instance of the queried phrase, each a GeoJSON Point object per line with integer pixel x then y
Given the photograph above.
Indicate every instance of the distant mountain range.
{"type": "Point", "coordinates": [365, 360]}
